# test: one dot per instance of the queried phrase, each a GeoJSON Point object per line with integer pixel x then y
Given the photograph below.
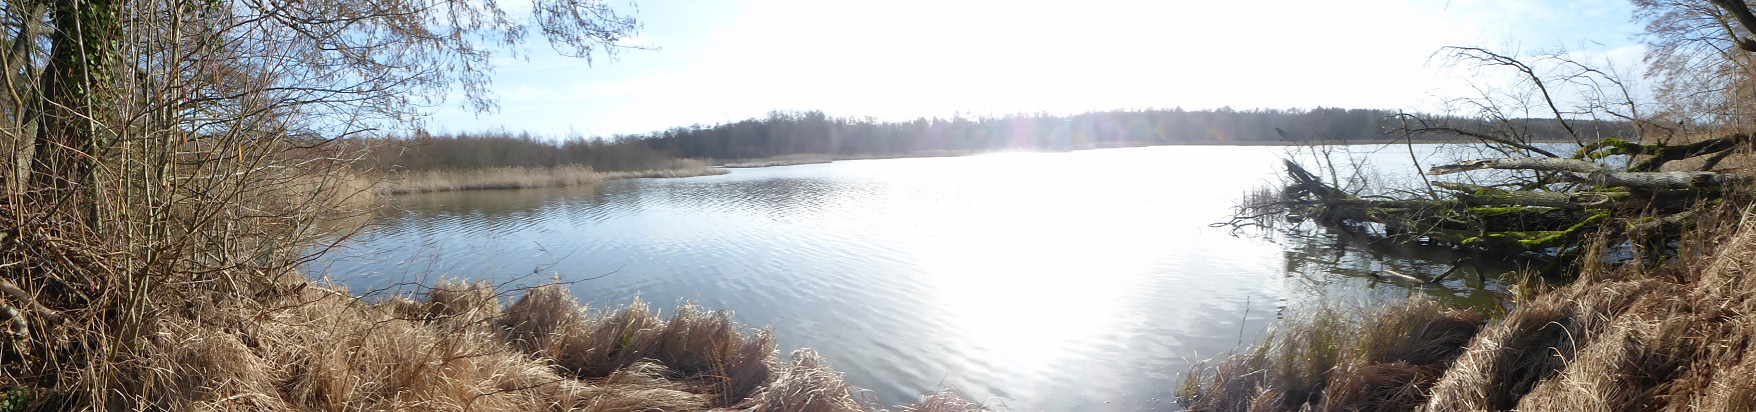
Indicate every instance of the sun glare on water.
{"type": "Point", "coordinates": [1034, 270]}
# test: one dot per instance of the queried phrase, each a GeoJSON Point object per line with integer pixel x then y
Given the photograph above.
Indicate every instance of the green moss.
{"type": "Point", "coordinates": [1610, 147]}
{"type": "Point", "coordinates": [1536, 238]}
{"type": "Point", "coordinates": [14, 399]}
{"type": "Point", "coordinates": [1488, 192]}
{"type": "Point", "coordinates": [1523, 238]}
{"type": "Point", "coordinates": [1553, 236]}
{"type": "Point", "coordinates": [1490, 210]}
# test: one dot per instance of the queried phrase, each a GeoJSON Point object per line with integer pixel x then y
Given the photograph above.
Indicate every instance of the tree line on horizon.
{"type": "Point", "coordinates": [814, 132]}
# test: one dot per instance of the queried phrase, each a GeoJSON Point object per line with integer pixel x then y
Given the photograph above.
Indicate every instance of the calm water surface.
{"type": "Point", "coordinates": [1084, 280]}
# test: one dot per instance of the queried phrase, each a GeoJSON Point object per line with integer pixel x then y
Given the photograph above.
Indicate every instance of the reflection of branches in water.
{"type": "Point", "coordinates": [1259, 210]}
{"type": "Point", "coordinates": [1327, 262]}
{"type": "Point", "coordinates": [774, 197]}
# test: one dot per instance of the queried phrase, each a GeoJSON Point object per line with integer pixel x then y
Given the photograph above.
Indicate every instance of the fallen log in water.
{"type": "Point", "coordinates": [1576, 170]}
{"type": "Point", "coordinates": [1404, 275]}
{"type": "Point", "coordinates": [1547, 210]}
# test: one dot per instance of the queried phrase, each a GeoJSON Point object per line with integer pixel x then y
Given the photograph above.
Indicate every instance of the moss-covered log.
{"type": "Point", "coordinates": [1660, 154]}
{"type": "Point", "coordinates": [1477, 195]}
{"type": "Point", "coordinates": [1502, 221]}
{"type": "Point", "coordinates": [1581, 171]}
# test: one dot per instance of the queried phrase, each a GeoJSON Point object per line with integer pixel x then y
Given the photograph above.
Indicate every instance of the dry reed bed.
{"type": "Point", "coordinates": [530, 177]}
{"type": "Point", "coordinates": [1681, 336]}
{"type": "Point", "coordinates": [320, 349]}
{"type": "Point", "coordinates": [1375, 361]}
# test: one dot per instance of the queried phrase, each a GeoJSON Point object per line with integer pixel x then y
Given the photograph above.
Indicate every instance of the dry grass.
{"type": "Point", "coordinates": [318, 349]}
{"type": "Point", "coordinates": [809, 385]}
{"type": "Point", "coordinates": [313, 348]}
{"type": "Point", "coordinates": [1373, 361]}
{"type": "Point", "coordinates": [700, 348]}
{"type": "Point", "coordinates": [529, 177]}
{"type": "Point", "coordinates": [1680, 335]}
{"type": "Point", "coordinates": [944, 401]}
{"type": "Point", "coordinates": [1677, 337]}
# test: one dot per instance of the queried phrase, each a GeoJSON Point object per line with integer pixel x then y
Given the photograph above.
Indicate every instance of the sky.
{"type": "Point", "coordinates": [711, 61]}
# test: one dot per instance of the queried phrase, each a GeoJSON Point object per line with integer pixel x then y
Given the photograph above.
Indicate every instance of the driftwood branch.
{"type": "Point", "coordinates": [1305, 182]}
{"type": "Point", "coordinates": [1476, 195]}
{"type": "Point", "coordinates": [1483, 137]}
{"type": "Point", "coordinates": [14, 320]}
{"type": "Point", "coordinates": [1588, 172]}
{"type": "Point", "coordinates": [1521, 163]}
{"type": "Point", "coordinates": [1403, 275]}
{"type": "Point", "coordinates": [1660, 180]}
{"type": "Point", "coordinates": [28, 302]}
{"type": "Point", "coordinates": [1662, 153]}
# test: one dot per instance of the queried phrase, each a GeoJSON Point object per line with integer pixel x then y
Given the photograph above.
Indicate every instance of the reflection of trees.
{"type": "Point", "coordinates": [773, 197]}
{"type": "Point", "coordinates": [500, 210]}
{"type": "Point", "coordinates": [488, 202]}
{"type": "Point", "coordinates": [476, 211]}
{"type": "Point", "coordinates": [1330, 261]}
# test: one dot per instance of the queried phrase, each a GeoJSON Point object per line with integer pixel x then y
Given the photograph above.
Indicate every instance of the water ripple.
{"type": "Point", "coordinates": [1055, 281]}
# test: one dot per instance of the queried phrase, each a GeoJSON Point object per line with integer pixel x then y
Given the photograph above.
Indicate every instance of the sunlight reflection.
{"type": "Point", "coordinates": [1041, 271]}
{"type": "Point", "coordinates": [1084, 280]}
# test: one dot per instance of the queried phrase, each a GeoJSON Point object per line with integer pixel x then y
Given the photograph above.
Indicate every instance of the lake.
{"type": "Point", "coordinates": [1086, 280]}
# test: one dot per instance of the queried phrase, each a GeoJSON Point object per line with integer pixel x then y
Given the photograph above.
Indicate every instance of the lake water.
{"type": "Point", "coordinates": [1085, 280]}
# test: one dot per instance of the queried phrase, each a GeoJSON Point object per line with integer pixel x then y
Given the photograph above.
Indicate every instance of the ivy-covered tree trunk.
{"type": "Point", "coordinates": [69, 139]}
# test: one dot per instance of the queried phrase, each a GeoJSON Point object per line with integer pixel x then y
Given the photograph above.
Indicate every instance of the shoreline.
{"type": "Point", "coordinates": [469, 346]}
{"type": "Point", "coordinates": [1680, 326]}
{"type": "Point", "coordinates": [429, 181]}
{"type": "Point", "coordinates": [820, 158]}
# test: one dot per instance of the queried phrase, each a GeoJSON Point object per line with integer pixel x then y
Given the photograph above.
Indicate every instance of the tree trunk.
{"type": "Point", "coordinates": [1588, 172]}
{"type": "Point", "coordinates": [68, 141]}
{"type": "Point", "coordinates": [21, 77]}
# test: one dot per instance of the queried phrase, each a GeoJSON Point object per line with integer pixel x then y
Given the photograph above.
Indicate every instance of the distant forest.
{"type": "Point", "coordinates": [813, 132]}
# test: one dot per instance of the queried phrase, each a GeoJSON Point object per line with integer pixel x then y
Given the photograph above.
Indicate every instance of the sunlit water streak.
{"type": "Point", "coordinates": [1042, 281]}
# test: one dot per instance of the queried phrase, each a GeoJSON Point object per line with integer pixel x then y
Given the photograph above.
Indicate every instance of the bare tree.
{"type": "Point", "coordinates": [1700, 56]}
{"type": "Point", "coordinates": [161, 149]}
{"type": "Point", "coordinates": [1622, 168]}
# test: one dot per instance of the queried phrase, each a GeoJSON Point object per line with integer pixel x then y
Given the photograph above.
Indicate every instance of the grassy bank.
{"type": "Point", "coordinates": [1675, 336]}
{"type": "Point", "coordinates": [465, 347]}
{"type": "Point", "coordinates": [529, 177]}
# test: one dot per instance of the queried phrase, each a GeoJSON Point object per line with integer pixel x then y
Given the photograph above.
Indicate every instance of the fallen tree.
{"type": "Point", "coordinates": [1544, 210]}
{"type": "Point", "coordinates": [1524, 194]}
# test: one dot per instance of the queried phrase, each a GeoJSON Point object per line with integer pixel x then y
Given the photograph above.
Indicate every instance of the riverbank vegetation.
{"type": "Point", "coordinates": [1670, 336]}
{"type": "Point", "coordinates": [515, 177]}
{"type": "Point", "coordinates": [1650, 234]}
{"type": "Point", "coordinates": [430, 163]}
{"type": "Point", "coordinates": [463, 347]}
{"type": "Point", "coordinates": [1378, 360]}
{"type": "Point", "coordinates": [171, 165]}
